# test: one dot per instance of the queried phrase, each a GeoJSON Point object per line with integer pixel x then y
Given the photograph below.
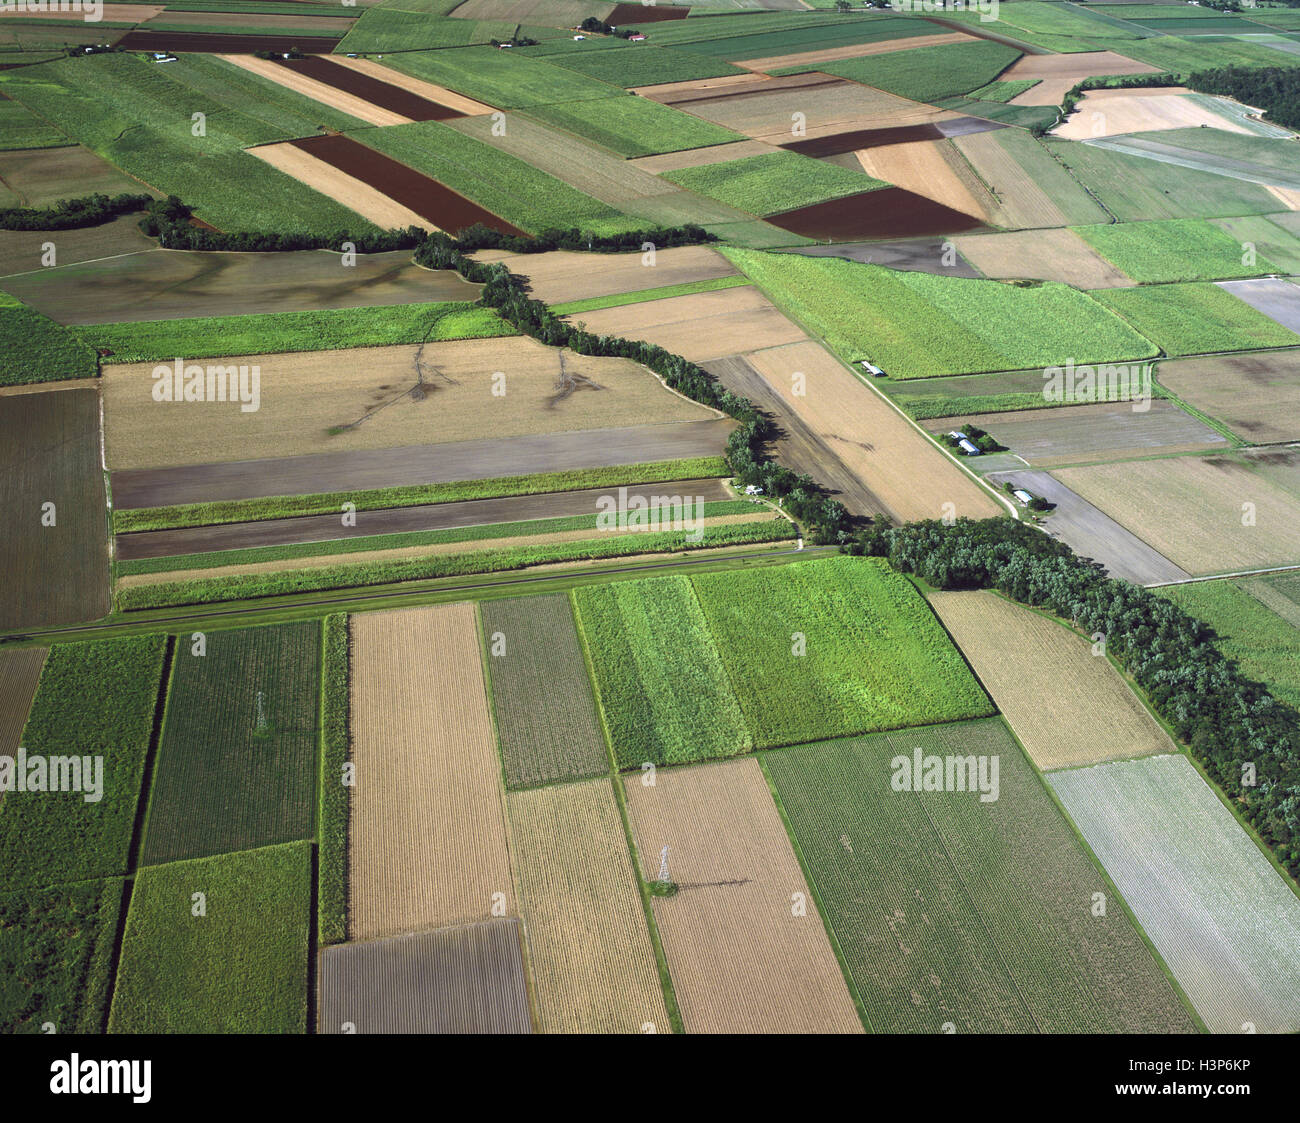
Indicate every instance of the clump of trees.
{"type": "Point", "coordinates": [594, 26]}
{"type": "Point", "coordinates": [68, 214]}
{"type": "Point", "coordinates": [1246, 739]}
{"type": "Point", "coordinates": [977, 436]}
{"type": "Point", "coordinates": [1274, 89]}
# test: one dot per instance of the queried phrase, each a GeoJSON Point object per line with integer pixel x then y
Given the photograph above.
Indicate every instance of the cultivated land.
{"type": "Point", "coordinates": [588, 946]}
{"type": "Point", "coordinates": [454, 980]}
{"type": "Point", "coordinates": [741, 960]}
{"type": "Point", "coordinates": [1110, 112]}
{"type": "Point", "coordinates": [962, 913]}
{"type": "Point", "coordinates": [471, 389]}
{"type": "Point", "coordinates": [1045, 255]}
{"type": "Point", "coordinates": [545, 713]}
{"type": "Point", "coordinates": [59, 523]}
{"type": "Point", "coordinates": [1221, 916]}
{"type": "Point", "coordinates": [1018, 655]}
{"type": "Point", "coordinates": [1257, 395]}
{"type": "Point", "coordinates": [1277, 299]}
{"type": "Point", "coordinates": [1196, 319]}
{"type": "Point", "coordinates": [20, 671]}
{"type": "Point", "coordinates": [41, 177]}
{"type": "Point", "coordinates": [427, 839]}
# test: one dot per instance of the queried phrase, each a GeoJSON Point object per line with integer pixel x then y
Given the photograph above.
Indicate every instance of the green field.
{"type": "Point", "coordinates": [240, 968]}
{"type": "Point", "coordinates": [502, 79]}
{"type": "Point", "coordinates": [332, 822]}
{"type": "Point", "coordinates": [620, 299]}
{"type": "Point", "coordinates": [1183, 56]}
{"type": "Point", "coordinates": [1185, 249]}
{"type": "Point", "coordinates": [545, 713]}
{"type": "Point", "coordinates": [1270, 240]}
{"type": "Point", "coordinates": [56, 956]}
{"type": "Point", "coordinates": [633, 126]}
{"type": "Point", "coordinates": [21, 128]}
{"type": "Point", "coordinates": [925, 73]}
{"type": "Point", "coordinates": [809, 35]}
{"type": "Point", "coordinates": [851, 633]}
{"type": "Point", "coordinates": [236, 767]}
{"type": "Point", "coordinates": [269, 332]}
{"type": "Point", "coordinates": [47, 837]}
{"type": "Point", "coordinates": [1196, 319]}
{"type": "Point", "coordinates": [915, 325]}
{"type": "Point", "coordinates": [33, 348]}
{"type": "Point", "coordinates": [381, 28]}
{"type": "Point", "coordinates": [660, 680]}
{"type": "Point", "coordinates": [773, 182]}
{"type": "Point", "coordinates": [641, 64]}
{"type": "Point", "coordinates": [1004, 91]}
{"type": "Point", "coordinates": [960, 915]}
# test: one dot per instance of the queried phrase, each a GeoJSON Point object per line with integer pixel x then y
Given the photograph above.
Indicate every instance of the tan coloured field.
{"type": "Point", "coordinates": [1195, 511]}
{"type": "Point", "coordinates": [304, 394]}
{"type": "Point", "coordinates": [698, 157]}
{"type": "Point", "coordinates": [1045, 255]}
{"type": "Point", "coordinates": [418, 86]}
{"type": "Point", "coordinates": [326, 94]}
{"type": "Point", "coordinates": [1068, 706]}
{"type": "Point", "coordinates": [427, 844]}
{"type": "Point", "coordinates": [902, 468]}
{"type": "Point", "coordinates": [561, 276]}
{"type": "Point", "coordinates": [667, 91]}
{"type": "Point", "coordinates": [439, 550]}
{"type": "Point", "coordinates": [372, 205]}
{"type": "Point", "coordinates": [248, 23]}
{"type": "Point", "coordinates": [20, 671]}
{"type": "Point", "coordinates": [1256, 395]}
{"type": "Point", "coordinates": [701, 326]}
{"type": "Point", "coordinates": [934, 169]}
{"type": "Point", "coordinates": [1114, 112]}
{"type": "Point", "coordinates": [1086, 64]}
{"type": "Point", "coordinates": [112, 13]}
{"type": "Point", "coordinates": [1022, 203]}
{"type": "Point", "coordinates": [592, 961]}
{"type": "Point", "coordinates": [1289, 197]}
{"type": "Point", "coordinates": [855, 50]}
{"type": "Point", "coordinates": [741, 961]}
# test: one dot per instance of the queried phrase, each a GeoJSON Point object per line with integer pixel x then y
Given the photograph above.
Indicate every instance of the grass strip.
{"type": "Point", "coordinates": [617, 300]}
{"type": "Point", "coordinates": [332, 826]}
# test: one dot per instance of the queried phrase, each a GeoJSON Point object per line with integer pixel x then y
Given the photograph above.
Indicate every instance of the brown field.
{"type": "Point", "coordinates": [40, 177]}
{"type": "Point", "coordinates": [112, 13]}
{"type": "Point", "coordinates": [256, 21]}
{"type": "Point", "coordinates": [1192, 510]}
{"type": "Point", "coordinates": [1257, 395]}
{"type": "Point", "coordinates": [1071, 68]}
{"type": "Point", "coordinates": [20, 671]}
{"type": "Point", "coordinates": [1068, 706]}
{"type": "Point", "coordinates": [318, 91]}
{"type": "Point", "coordinates": [427, 844]}
{"type": "Point", "coordinates": [454, 980]}
{"type": "Point", "coordinates": [561, 276]}
{"type": "Point", "coordinates": [52, 574]}
{"type": "Point", "coordinates": [740, 961]}
{"type": "Point", "coordinates": [1045, 255]}
{"type": "Point", "coordinates": [703, 325]}
{"type": "Point", "coordinates": [592, 962]}
{"type": "Point", "coordinates": [541, 12]}
{"type": "Point", "coordinates": [854, 50]}
{"type": "Point", "coordinates": [1084, 434]}
{"type": "Point", "coordinates": [306, 393]}
{"type": "Point", "coordinates": [1114, 112]}
{"type": "Point", "coordinates": [912, 478]}
{"type": "Point", "coordinates": [440, 94]}
{"type": "Point", "coordinates": [933, 169]}
{"type": "Point", "coordinates": [20, 252]}
{"type": "Point", "coordinates": [698, 157]}
{"type": "Point", "coordinates": [370, 203]}
{"type": "Point", "coordinates": [1022, 202]}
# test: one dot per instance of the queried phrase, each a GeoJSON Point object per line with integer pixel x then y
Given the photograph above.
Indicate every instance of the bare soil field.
{"type": "Point", "coordinates": [376, 91]}
{"type": "Point", "coordinates": [1022, 657]}
{"type": "Point", "coordinates": [453, 980]}
{"type": "Point", "coordinates": [910, 477]}
{"type": "Point", "coordinates": [256, 21]}
{"type": "Point", "coordinates": [365, 199]}
{"type": "Point", "coordinates": [1085, 434]}
{"type": "Point", "coordinates": [643, 13]}
{"type": "Point", "coordinates": [417, 464]}
{"type": "Point", "coordinates": [427, 843]}
{"type": "Point", "coordinates": [54, 552]}
{"type": "Point", "coordinates": [1022, 201]}
{"type": "Point", "coordinates": [428, 91]}
{"type": "Point", "coordinates": [310, 85]}
{"type": "Point", "coordinates": [40, 177]}
{"type": "Point", "coordinates": [181, 42]}
{"type": "Point", "coordinates": [20, 671]}
{"type": "Point", "coordinates": [698, 157]}
{"type": "Point", "coordinates": [592, 961]}
{"type": "Point", "coordinates": [1211, 515]}
{"type": "Point", "coordinates": [890, 212]}
{"type": "Point", "coordinates": [1256, 395]}
{"type": "Point", "coordinates": [1113, 112]}
{"type": "Point", "coordinates": [853, 50]}
{"type": "Point", "coordinates": [533, 11]}
{"type": "Point", "coordinates": [933, 169]}
{"type": "Point", "coordinates": [1278, 299]}
{"type": "Point", "coordinates": [923, 255]}
{"type": "Point", "coordinates": [21, 253]}
{"type": "Point", "coordinates": [561, 276]}
{"type": "Point", "coordinates": [1061, 72]}
{"type": "Point", "coordinates": [740, 960]}
{"type": "Point", "coordinates": [1044, 255]}
{"type": "Point", "coordinates": [472, 389]}
{"type": "Point", "coordinates": [833, 144]}
{"type": "Point", "coordinates": [176, 284]}
{"type": "Point", "coordinates": [700, 326]}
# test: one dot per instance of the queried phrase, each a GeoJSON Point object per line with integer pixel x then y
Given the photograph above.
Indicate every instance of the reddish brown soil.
{"type": "Point", "coordinates": [370, 89]}
{"type": "Point", "coordinates": [425, 196]}
{"type": "Point", "coordinates": [179, 42]}
{"type": "Point", "coordinates": [629, 15]}
{"type": "Point", "coordinates": [837, 143]}
{"type": "Point", "coordinates": [890, 212]}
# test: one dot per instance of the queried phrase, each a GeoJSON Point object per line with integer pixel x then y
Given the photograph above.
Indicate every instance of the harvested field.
{"type": "Point", "coordinates": [1031, 188]}
{"type": "Point", "coordinates": [59, 524]}
{"type": "Point", "coordinates": [698, 157]}
{"type": "Point", "coordinates": [310, 393]}
{"type": "Point", "coordinates": [310, 84]}
{"type": "Point", "coordinates": [592, 961]}
{"type": "Point", "coordinates": [539, 12]}
{"type": "Point", "coordinates": [1279, 300]}
{"type": "Point", "coordinates": [179, 284]}
{"type": "Point", "coordinates": [853, 50]}
{"type": "Point", "coordinates": [1044, 255]}
{"type": "Point", "coordinates": [454, 980]}
{"type": "Point", "coordinates": [1076, 66]}
{"type": "Point", "coordinates": [889, 212]}
{"type": "Point", "coordinates": [426, 91]}
{"type": "Point", "coordinates": [1222, 917]}
{"type": "Point", "coordinates": [20, 671]}
{"type": "Point", "coordinates": [21, 252]}
{"type": "Point", "coordinates": [1195, 511]}
{"type": "Point", "coordinates": [545, 712]}
{"type": "Point", "coordinates": [924, 255]}
{"type": "Point", "coordinates": [391, 98]}
{"type": "Point", "coordinates": [931, 893]}
{"type": "Point", "coordinates": [909, 476]}
{"type": "Point", "coordinates": [237, 22]}
{"type": "Point", "coordinates": [1022, 657]}
{"type": "Point", "coordinates": [180, 42]}
{"type": "Point", "coordinates": [739, 960]}
{"type": "Point", "coordinates": [1102, 113]}
{"type": "Point", "coordinates": [933, 169]}
{"type": "Point", "coordinates": [427, 837]}
{"type": "Point", "coordinates": [1086, 434]}
{"type": "Point", "coordinates": [701, 326]}
{"type": "Point", "coordinates": [40, 177]}
{"type": "Point", "coordinates": [419, 464]}
{"type": "Point", "coordinates": [1256, 395]}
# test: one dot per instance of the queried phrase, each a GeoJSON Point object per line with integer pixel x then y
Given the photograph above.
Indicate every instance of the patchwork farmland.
{"type": "Point", "coordinates": [562, 517]}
